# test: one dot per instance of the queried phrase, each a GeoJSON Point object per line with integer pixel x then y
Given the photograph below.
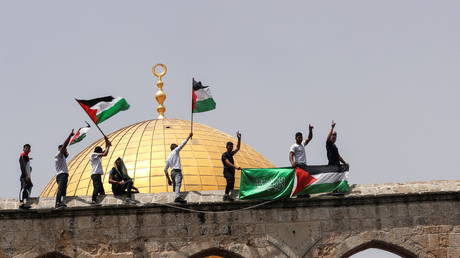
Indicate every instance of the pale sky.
{"type": "Point", "coordinates": [385, 71]}
{"type": "Point", "coordinates": [374, 253]}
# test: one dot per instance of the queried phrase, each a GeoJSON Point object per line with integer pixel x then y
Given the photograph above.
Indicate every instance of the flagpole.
{"type": "Point", "coordinates": [191, 119]}
{"type": "Point", "coordinates": [105, 137]}
{"type": "Point", "coordinates": [191, 125]}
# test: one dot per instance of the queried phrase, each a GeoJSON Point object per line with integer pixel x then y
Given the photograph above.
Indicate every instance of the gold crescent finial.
{"type": "Point", "coordinates": [160, 96]}
{"type": "Point", "coordinates": [161, 74]}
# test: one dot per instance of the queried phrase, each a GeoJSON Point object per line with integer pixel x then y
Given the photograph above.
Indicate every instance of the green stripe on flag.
{"type": "Point", "coordinates": [204, 105]}
{"type": "Point", "coordinates": [120, 105]}
{"type": "Point", "coordinates": [340, 186]}
{"type": "Point", "coordinates": [81, 137]}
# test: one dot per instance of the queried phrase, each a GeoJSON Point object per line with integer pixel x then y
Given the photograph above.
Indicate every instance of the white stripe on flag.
{"type": "Point", "coordinates": [84, 130]}
{"type": "Point", "coordinates": [295, 184]}
{"type": "Point", "coordinates": [203, 94]}
{"type": "Point", "coordinates": [102, 106]}
{"type": "Point", "coordinates": [332, 177]}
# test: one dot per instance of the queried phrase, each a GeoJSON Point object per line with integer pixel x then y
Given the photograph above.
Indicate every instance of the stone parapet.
{"type": "Point", "coordinates": [357, 191]}
{"type": "Point", "coordinates": [420, 219]}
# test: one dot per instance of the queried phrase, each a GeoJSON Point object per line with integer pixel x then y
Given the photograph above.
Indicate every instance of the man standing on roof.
{"type": "Point", "coordinates": [229, 167]}
{"type": "Point", "coordinates": [297, 155]}
{"type": "Point", "coordinates": [174, 163]}
{"type": "Point", "coordinates": [97, 172]}
{"type": "Point", "coordinates": [333, 155]}
{"type": "Point", "coordinates": [26, 180]}
{"type": "Point", "coordinates": [62, 172]}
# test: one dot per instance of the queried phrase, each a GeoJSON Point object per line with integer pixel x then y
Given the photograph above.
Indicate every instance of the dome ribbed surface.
{"type": "Point", "coordinates": [144, 147]}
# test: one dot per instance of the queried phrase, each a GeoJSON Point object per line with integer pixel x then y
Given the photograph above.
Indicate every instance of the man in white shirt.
{"type": "Point", "coordinates": [97, 172]}
{"type": "Point", "coordinates": [62, 172]}
{"type": "Point", "coordinates": [297, 155]}
{"type": "Point", "coordinates": [173, 162]}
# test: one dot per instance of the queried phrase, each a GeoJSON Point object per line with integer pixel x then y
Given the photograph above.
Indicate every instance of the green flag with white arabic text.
{"type": "Point", "coordinates": [266, 184]}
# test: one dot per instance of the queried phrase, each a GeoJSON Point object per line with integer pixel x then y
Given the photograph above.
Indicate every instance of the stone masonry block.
{"type": "Point", "coordinates": [286, 215]}
{"type": "Point", "coordinates": [319, 213]}
{"type": "Point", "coordinates": [265, 215]}
{"type": "Point", "coordinates": [426, 224]}
{"type": "Point", "coordinates": [152, 219]}
{"type": "Point", "coordinates": [362, 212]}
{"type": "Point", "coordinates": [453, 252]}
{"type": "Point", "coordinates": [398, 210]}
{"type": "Point", "coordinates": [339, 212]}
{"type": "Point", "coordinates": [83, 222]}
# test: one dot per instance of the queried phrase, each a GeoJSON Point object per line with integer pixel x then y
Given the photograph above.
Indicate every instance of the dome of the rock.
{"type": "Point", "coordinates": [144, 147]}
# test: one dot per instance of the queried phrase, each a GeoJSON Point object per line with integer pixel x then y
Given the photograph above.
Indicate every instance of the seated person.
{"type": "Point", "coordinates": [121, 182]}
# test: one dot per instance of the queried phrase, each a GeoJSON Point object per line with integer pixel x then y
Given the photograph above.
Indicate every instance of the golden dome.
{"type": "Point", "coordinates": [144, 147]}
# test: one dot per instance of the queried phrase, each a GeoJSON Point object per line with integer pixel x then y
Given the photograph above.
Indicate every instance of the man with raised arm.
{"type": "Point", "coordinates": [62, 172]}
{"type": "Point", "coordinates": [173, 162]}
{"type": "Point", "coordinates": [333, 155]}
{"type": "Point", "coordinates": [97, 172]}
{"type": "Point", "coordinates": [26, 180]}
{"type": "Point", "coordinates": [229, 167]}
{"type": "Point", "coordinates": [297, 155]}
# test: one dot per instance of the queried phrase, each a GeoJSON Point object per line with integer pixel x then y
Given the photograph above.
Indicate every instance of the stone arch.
{"type": "Point", "coordinates": [52, 255]}
{"type": "Point", "coordinates": [392, 248]}
{"type": "Point", "coordinates": [345, 245]}
{"type": "Point", "coordinates": [216, 252]}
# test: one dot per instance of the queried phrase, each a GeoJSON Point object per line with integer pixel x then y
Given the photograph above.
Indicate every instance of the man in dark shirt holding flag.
{"type": "Point", "coordinates": [229, 166]}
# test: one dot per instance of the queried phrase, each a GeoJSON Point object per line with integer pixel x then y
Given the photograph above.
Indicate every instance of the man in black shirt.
{"type": "Point", "coordinates": [332, 151]}
{"type": "Point", "coordinates": [229, 166]}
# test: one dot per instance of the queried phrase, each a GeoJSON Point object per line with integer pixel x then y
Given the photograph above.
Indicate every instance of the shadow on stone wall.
{"type": "Point", "coordinates": [53, 255]}
{"type": "Point", "coordinates": [216, 252]}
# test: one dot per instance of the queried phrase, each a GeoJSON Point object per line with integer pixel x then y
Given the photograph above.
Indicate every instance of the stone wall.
{"type": "Point", "coordinates": [413, 219]}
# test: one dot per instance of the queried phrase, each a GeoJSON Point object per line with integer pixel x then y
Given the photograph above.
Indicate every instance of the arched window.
{"type": "Point", "coordinates": [215, 253]}
{"type": "Point", "coordinates": [390, 249]}
{"type": "Point", "coordinates": [375, 253]}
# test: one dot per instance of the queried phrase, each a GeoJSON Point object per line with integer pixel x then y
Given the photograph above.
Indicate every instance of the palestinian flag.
{"type": "Point", "coordinates": [101, 109]}
{"type": "Point", "coordinates": [80, 134]}
{"type": "Point", "coordinates": [202, 100]}
{"type": "Point", "coordinates": [281, 183]}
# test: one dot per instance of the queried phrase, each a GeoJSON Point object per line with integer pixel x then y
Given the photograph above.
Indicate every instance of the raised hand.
{"type": "Point", "coordinates": [238, 134]}
{"type": "Point", "coordinates": [310, 127]}
{"type": "Point", "coordinates": [333, 124]}
{"type": "Point", "coordinates": [72, 133]}
{"type": "Point", "coordinates": [107, 142]}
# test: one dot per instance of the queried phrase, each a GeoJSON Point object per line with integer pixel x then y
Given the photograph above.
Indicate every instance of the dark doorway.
{"type": "Point", "coordinates": [215, 253]}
